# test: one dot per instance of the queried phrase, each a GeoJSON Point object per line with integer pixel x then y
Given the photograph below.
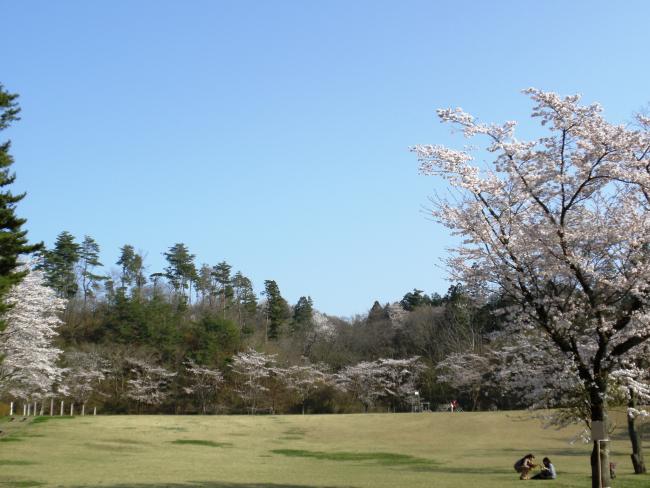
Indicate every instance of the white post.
{"type": "Point", "coordinates": [51, 406]}
{"type": "Point", "coordinates": [42, 408]}
{"type": "Point", "coordinates": [29, 409]}
{"type": "Point", "coordinates": [11, 409]}
{"type": "Point", "coordinates": [34, 409]}
{"type": "Point", "coordinates": [24, 410]}
{"type": "Point", "coordinates": [71, 409]}
{"type": "Point", "coordinates": [83, 409]}
{"type": "Point", "coordinates": [94, 411]}
{"type": "Point", "coordinates": [61, 408]}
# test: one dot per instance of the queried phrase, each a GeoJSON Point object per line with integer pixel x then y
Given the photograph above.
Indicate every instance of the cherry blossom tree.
{"type": "Point", "coordinates": [365, 381]}
{"type": "Point", "coordinates": [466, 373]}
{"type": "Point", "coordinates": [559, 226]}
{"type": "Point", "coordinates": [544, 379]}
{"type": "Point", "coordinates": [29, 369]}
{"type": "Point", "coordinates": [149, 385]}
{"type": "Point", "coordinates": [253, 370]}
{"type": "Point", "coordinates": [82, 375]}
{"type": "Point", "coordinates": [204, 383]}
{"type": "Point", "coordinates": [304, 380]}
{"type": "Point", "coordinates": [400, 377]}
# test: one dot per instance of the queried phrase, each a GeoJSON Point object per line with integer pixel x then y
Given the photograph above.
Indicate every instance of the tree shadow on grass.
{"type": "Point", "coordinates": [381, 458]}
{"type": "Point", "coordinates": [515, 454]}
{"type": "Point", "coordinates": [458, 470]}
{"type": "Point", "coordinates": [623, 435]}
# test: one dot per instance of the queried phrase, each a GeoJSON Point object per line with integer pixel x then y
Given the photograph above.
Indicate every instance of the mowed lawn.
{"type": "Point", "coordinates": [372, 450]}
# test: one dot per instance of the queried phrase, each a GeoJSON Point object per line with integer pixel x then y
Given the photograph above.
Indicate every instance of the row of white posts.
{"type": "Point", "coordinates": [28, 410]}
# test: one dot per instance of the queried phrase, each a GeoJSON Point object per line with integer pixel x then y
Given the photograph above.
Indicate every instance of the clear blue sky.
{"type": "Point", "coordinates": [275, 134]}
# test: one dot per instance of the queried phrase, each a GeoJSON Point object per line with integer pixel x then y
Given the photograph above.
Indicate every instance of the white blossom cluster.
{"type": "Point", "coordinates": [149, 383]}
{"type": "Point", "coordinates": [368, 381]}
{"type": "Point", "coordinates": [559, 228]}
{"type": "Point", "coordinates": [29, 369]}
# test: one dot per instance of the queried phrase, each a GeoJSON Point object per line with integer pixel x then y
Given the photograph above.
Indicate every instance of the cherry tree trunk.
{"type": "Point", "coordinates": [600, 477]}
{"type": "Point", "coordinates": [635, 438]}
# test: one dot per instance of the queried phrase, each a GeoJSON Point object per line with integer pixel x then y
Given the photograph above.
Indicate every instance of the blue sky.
{"type": "Point", "coordinates": [275, 134]}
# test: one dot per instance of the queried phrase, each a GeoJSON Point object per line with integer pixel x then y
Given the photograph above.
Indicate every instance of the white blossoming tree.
{"type": "Point", "coordinates": [150, 383]}
{"type": "Point", "coordinates": [29, 370]}
{"type": "Point", "coordinates": [560, 227]}
{"type": "Point", "coordinates": [365, 381]}
{"type": "Point", "coordinates": [253, 370]}
{"type": "Point", "coordinates": [83, 373]}
{"type": "Point", "coordinates": [204, 383]}
{"type": "Point", "coordinates": [400, 377]}
{"type": "Point", "coordinates": [304, 380]}
{"type": "Point", "coordinates": [465, 373]}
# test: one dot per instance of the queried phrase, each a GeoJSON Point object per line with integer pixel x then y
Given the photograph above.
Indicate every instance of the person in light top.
{"type": "Point", "coordinates": [547, 472]}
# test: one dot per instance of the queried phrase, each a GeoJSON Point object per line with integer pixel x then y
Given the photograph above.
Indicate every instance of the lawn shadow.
{"type": "Point", "coordinates": [9, 462]}
{"type": "Point", "coordinates": [382, 458]}
{"type": "Point", "coordinates": [518, 453]}
{"type": "Point", "coordinates": [623, 435]}
{"type": "Point", "coordinates": [201, 442]}
{"type": "Point", "coordinates": [112, 446]}
{"type": "Point", "coordinates": [43, 419]}
{"type": "Point", "coordinates": [20, 483]}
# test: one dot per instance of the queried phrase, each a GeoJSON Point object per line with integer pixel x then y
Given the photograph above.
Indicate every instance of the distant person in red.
{"type": "Point", "coordinates": [453, 405]}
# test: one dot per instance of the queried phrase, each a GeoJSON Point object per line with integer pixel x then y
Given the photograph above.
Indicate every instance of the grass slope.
{"type": "Point", "coordinates": [313, 451]}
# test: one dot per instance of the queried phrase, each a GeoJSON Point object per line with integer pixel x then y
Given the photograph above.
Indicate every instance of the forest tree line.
{"type": "Point", "coordinates": [176, 340]}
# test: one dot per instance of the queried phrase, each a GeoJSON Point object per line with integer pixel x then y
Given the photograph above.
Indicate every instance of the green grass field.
{"type": "Point", "coordinates": [316, 451]}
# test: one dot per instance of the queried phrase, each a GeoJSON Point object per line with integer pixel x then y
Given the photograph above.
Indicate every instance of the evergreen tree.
{"type": "Point", "coordinates": [126, 261]}
{"type": "Point", "coordinates": [377, 313]}
{"type": "Point", "coordinates": [132, 272]}
{"type": "Point", "coordinates": [277, 309]}
{"type": "Point", "coordinates": [88, 261]}
{"type": "Point", "coordinates": [415, 299]}
{"type": "Point", "coordinates": [13, 239]}
{"type": "Point", "coordinates": [59, 265]}
{"type": "Point", "coordinates": [303, 313]}
{"type": "Point", "coordinates": [139, 277]}
{"type": "Point", "coordinates": [204, 283]}
{"type": "Point", "coordinates": [221, 273]}
{"type": "Point", "coordinates": [181, 271]}
{"type": "Point", "coordinates": [245, 297]}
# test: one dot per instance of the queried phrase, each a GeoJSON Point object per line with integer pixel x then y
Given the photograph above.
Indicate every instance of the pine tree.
{"type": "Point", "coordinates": [59, 265]}
{"type": "Point", "coordinates": [88, 261]}
{"type": "Point", "coordinates": [132, 272]}
{"type": "Point", "coordinates": [221, 273]}
{"type": "Point", "coordinates": [181, 271]}
{"type": "Point", "coordinates": [277, 309]}
{"type": "Point", "coordinates": [245, 297]}
{"type": "Point", "coordinates": [204, 283]}
{"type": "Point", "coordinates": [127, 257]}
{"type": "Point", "coordinates": [377, 313]}
{"type": "Point", "coordinates": [13, 239]}
{"type": "Point", "coordinates": [303, 313]}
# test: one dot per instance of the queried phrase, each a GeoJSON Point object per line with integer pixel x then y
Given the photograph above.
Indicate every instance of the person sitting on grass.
{"type": "Point", "coordinates": [547, 472]}
{"type": "Point", "coordinates": [524, 465]}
